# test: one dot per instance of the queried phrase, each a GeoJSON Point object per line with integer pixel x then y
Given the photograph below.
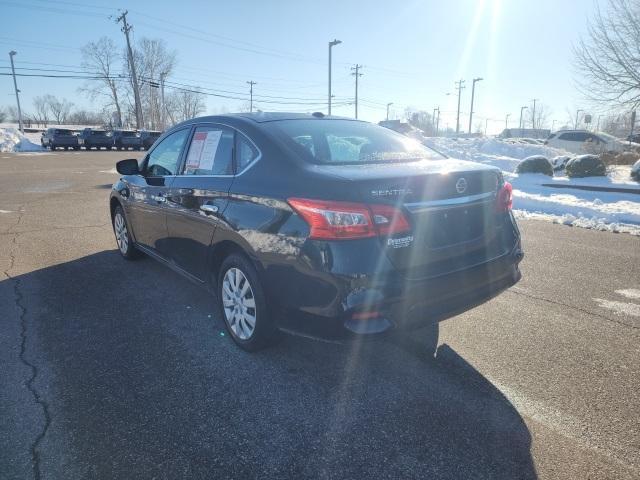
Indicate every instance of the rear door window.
{"type": "Point", "coordinates": [245, 153]}
{"type": "Point", "coordinates": [210, 151]}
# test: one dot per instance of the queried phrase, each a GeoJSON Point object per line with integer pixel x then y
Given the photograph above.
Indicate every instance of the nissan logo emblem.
{"type": "Point", "coordinates": [461, 185]}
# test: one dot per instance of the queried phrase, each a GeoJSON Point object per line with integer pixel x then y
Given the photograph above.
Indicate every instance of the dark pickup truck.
{"type": "Point", "coordinates": [92, 138]}
{"type": "Point", "coordinates": [148, 137]}
{"type": "Point", "coordinates": [125, 139]}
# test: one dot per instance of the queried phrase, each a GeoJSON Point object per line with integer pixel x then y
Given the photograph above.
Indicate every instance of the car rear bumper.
{"type": "Point", "coordinates": [392, 302]}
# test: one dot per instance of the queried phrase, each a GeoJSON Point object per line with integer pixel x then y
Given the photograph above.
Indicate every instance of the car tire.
{"type": "Point", "coordinates": [52, 147]}
{"type": "Point", "coordinates": [76, 148]}
{"type": "Point", "coordinates": [123, 237]}
{"type": "Point", "coordinates": [239, 303]}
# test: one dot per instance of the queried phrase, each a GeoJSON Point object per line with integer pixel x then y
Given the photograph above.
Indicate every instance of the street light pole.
{"type": "Point", "coordinates": [473, 92]}
{"type": "Point", "coordinates": [331, 44]}
{"type": "Point", "coordinates": [506, 121]}
{"type": "Point", "coordinates": [438, 122]}
{"type": "Point", "coordinates": [577, 113]}
{"type": "Point", "coordinates": [522, 109]}
{"type": "Point", "coordinates": [15, 86]}
{"type": "Point", "coordinates": [388, 105]}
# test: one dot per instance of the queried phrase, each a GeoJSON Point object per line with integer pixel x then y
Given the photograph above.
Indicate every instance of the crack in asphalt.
{"type": "Point", "coordinates": [35, 456]}
{"type": "Point", "coordinates": [48, 229]}
{"type": "Point", "coordinates": [562, 304]}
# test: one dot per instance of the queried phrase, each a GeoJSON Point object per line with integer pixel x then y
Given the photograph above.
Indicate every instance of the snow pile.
{"type": "Point", "coordinates": [11, 140]}
{"type": "Point", "coordinates": [492, 151]}
{"type": "Point", "coordinates": [538, 196]}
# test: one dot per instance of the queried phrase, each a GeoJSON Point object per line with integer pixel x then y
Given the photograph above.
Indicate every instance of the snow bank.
{"type": "Point", "coordinates": [11, 140]}
{"type": "Point", "coordinates": [533, 198]}
{"type": "Point", "coordinates": [505, 155]}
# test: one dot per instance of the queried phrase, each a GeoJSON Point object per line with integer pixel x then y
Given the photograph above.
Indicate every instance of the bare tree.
{"type": "Point", "coordinates": [184, 104]}
{"type": "Point", "coordinates": [152, 60]}
{"type": "Point", "coordinates": [41, 107]}
{"type": "Point", "coordinates": [607, 60]}
{"type": "Point", "coordinates": [3, 114]}
{"type": "Point", "coordinates": [543, 112]}
{"type": "Point", "coordinates": [101, 59]}
{"type": "Point", "coordinates": [59, 108]}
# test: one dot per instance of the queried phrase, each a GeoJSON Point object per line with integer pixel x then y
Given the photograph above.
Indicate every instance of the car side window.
{"type": "Point", "coordinates": [163, 160]}
{"type": "Point", "coordinates": [210, 152]}
{"type": "Point", "coordinates": [245, 153]}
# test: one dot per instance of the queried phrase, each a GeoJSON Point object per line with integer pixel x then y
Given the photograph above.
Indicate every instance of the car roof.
{"type": "Point", "coordinates": [261, 117]}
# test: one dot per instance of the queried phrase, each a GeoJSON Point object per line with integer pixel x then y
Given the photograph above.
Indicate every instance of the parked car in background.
{"type": "Point", "coordinates": [93, 138]}
{"type": "Point", "coordinates": [584, 141]}
{"type": "Point", "coordinates": [318, 225]}
{"type": "Point", "coordinates": [59, 137]}
{"type": "Point", "coordinates": [148, 137]}
{"type": "Point", "coordinates": [125, 139]}
{"type": "Point", "coordinates": [634, 138]}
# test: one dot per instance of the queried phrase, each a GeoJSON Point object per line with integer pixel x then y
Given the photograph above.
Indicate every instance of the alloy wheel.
{"type": "Point", "coordinates": [239, 303]}
{"type": "Point", "coordinates": [122, 237]}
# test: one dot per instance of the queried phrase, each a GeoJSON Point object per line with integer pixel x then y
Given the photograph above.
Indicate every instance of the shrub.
{"type": "Point", "coordinates": [560, 162]}
{"type": "Point", "coordinates": [635, 171]}
{"type": "Point", "coordinates": [626, 158]}
{"type": "Point", "coordinates": [535, 164]}
{"type": "Point", "coordinates": [586, 166]}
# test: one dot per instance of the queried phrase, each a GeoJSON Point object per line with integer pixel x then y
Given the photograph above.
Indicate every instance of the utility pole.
{"type": "Point", "coordinates": [486, 124]}
{"type": "Point", "coordinates": [356, 73]}
{"type": "Point", "coordinates": [533, 115]}
{"type": "Point", "coordinates": [506, 121]}
{"type": "Point", "coordinates": [388, 105]}
{"type": "Point", "coordinates": [460, 87]}
{"type": "Point", "coordinates": [331, 44]}
{"type": "Point", "coordinates": [126, 28]}
{"type": "Point", "coordinates": [251, 83]}
{"type": "Point", "coordinates": [163, 117]}
{"type": "Point", "coordinates": [438, 121]}
{"type": "Point", "coordinates": [473, 91]}
{"type": "Point", "coordinates": [577, 114]}
{"type": "Point", "coordinates": [553, 125]}
{"type": "Point", "coordinates": [15, 86]}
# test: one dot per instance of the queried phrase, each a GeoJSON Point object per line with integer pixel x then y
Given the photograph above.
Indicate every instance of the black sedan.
{"type": "Point", "coordinates": [318, 225]}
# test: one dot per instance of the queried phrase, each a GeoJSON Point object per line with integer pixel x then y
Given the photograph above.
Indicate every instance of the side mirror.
{"type": "Point", "coordinates": [128, 167]}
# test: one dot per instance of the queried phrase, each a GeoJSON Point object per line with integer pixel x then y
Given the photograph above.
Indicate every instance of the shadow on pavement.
{"type": "Point", "coordinates": [142, 382]}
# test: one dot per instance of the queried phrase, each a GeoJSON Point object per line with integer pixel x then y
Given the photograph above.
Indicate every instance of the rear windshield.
{"type": "Point", "coordinates": [62, 131]}
{"type": "Point", "coordinates": [349, 142]}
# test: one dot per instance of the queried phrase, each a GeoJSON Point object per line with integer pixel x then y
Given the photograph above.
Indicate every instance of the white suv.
{"type": "Point", "coordinates": [584, 141]}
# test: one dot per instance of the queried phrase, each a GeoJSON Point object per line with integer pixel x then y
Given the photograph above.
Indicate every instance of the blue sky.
{"type": "Point", "coordinates": [412, 51]}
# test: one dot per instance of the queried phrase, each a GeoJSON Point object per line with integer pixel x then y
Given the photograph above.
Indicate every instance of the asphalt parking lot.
{"type": "Point", "coordinates": [114, 369]}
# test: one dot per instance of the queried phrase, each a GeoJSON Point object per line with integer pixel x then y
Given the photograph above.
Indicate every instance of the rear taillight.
{"type": "Point", "coordinates": [329, 220]}
{"type": "Point", "coordinates": [504, 199]}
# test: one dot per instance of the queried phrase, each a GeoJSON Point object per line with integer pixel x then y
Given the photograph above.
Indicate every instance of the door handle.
{"type": "Point", "coordinates": [209, 209]}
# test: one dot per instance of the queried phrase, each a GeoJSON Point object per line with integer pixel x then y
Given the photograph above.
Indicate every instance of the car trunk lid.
{"type": "Point", "coordinates": [450, 205]}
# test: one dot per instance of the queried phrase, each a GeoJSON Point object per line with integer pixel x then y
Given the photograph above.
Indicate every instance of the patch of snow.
{"type": "Point", "coordinates": [607, 211]}
{"type": "Point", "coordinates": [632, 293]}
{"type": "Point", "coordinates": [11, 140]}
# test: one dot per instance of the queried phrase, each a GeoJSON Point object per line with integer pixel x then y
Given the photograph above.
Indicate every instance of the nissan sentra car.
{"type": "Point", "coordinates": [322, 226]}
